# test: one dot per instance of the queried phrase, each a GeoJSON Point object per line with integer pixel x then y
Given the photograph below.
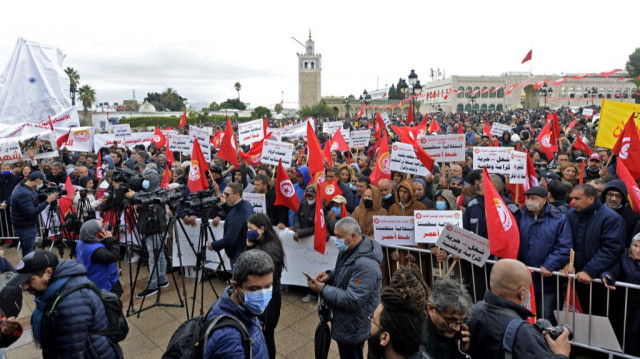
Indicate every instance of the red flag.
{"type": "Point", "coordinates": [632, 186]}
{"type": "Point", "coordinates": [408, 135]}
{"type": "Point", "coordinates": [265, 125]}
{"type": "Point", "coordinates": [569, 300]}
{"type": "Point", "coordinates": [461, 129]}
{"type": "Point", "coordinates": [502, 229]}
{"type": "Point", "coordinates": [228, 150]}
{"type": "Point", "coordinates": [380, 126]}
{"type": "Point", "coordinates": [285, 193]}
{"type": "Point", "coordinates": [343, 211]}
{"type": "Point", "coordinates": [531, 306]}
{"type": "Point", "coordinates": [169, 156]}
{"type": "Point", "coordinates": [382, 169]}
{"type": "Point", "coordinates": [338, 142]}
{"type": "Point", "coordinates": [329, 189]}
{"type": "Point", "coordinates": [609, 73]}
{"type": "Point", "coordinates": [423, 126]}
{"type": "Point", "coordinates": [254, 155]}
{"type": "Point", "coordinates": [69, 187]}
{"type": "Point", "coordinates": [197, 172]}
{"type": "Point", "coordinates": [434, 127]}
{"type": "Point", "coordinates": [183, 120]}
{"type": "Point", "coordinates": [410, 114]}
{"type": "Point", "coordinates": [304, 149]}
{"type": "Point", "coordinates": [326, 151]}
{"type": "Point", "coordinates": [531, 174]}
{"type": "Point", "coordinates": [315, 159]}
{"type": "Point", "coordinates": [511, 89]}
{"type": "Point", "coordinates": [579, 145]}
{"type": "Point", "coordinates": [581, 173]}
{"type": "Point", "coordinates": [99, 172]}
{"type": "Point", "coordinates": [359, 113]}
{"type": "Point", "coordinates": [555, 125]}
{"type": "Point", "coordinates": [548, 144]}
{"type": "Point", "coordinates": [320, 230]}
{"type": "Point", "coordinates": [571, 126]}
{"type": "Point", "coordinates": [216, 140]}
{"type": "Point", "coordinates": [158, 138]}
{"type": "Point", "coordinates": [486, 130]}
{"type": "Point", "coordinates": [528, 57]}
{"type": "Point", "coordinates": [166, 178]}
{"type": "Point", "coordinates": [63, 139]}
{"type": "Point", "coordinates": [628, 147]}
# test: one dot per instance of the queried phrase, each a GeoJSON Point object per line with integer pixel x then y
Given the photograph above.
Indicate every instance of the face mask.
{"type": "Point", "coordinates": [311, 201]}
{"type": "Point", "coordinates": [376, 351]}
{"type": "Point", "coordinates": [387, 196]}
{"type": "Point", "coordinates": [532, 206]}
{"type": "Point", "coordinates": [368, 203]}
{"type": "Point", "coordinates": [527, 302]}
{"type": "Point", "coordinates": [257, 301]}
{"type": "Point", "coordinates": [352, 186]}
{"type": "Point", "coordinates": [252, 236]}
{"type": "Point", "coordinates": [39, 185]}
{"type": "Point", "coordinates": [441, 205]}
{"type": "Point", "coordinates": [6, 173]}
{"type": "Point", "coordinates": [593, 169]}
{"type": "Point", "coordinates": [336, 210]}
{"type": "Point", "coordinates": [456, 191]}
{"type": "Point", "coordinates": [145, 184]}
{"type": "Point", "coordinates": [341, 245]}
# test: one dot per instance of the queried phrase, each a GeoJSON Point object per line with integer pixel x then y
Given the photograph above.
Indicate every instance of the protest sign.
{"type": "Point", "coordinates": [67, 118]}
{"type": "Point", "coordinates": [429, 224]}
{"type": "Point", "coordinates": [189, 246]}
{"type": "Point", "coordinates": [294, 131]}
{"type": "Point", "coordinates": [180, 143]}
{"type": "Point", "coordinates": [444, 148]}
{"type": "Point", "coordinates": [385, 119]}
{"type": "Point", "coordinates": [10, 150]}
{"type": "Point", "coordinates": [496, 159]}
{"type": "Point", "coordinates": [346, 134]}
{"type": "Point", "coordinates": [587, 112]}
{"type": "Point", "coordinates": [203, 139]}
{"type": "Point", "coordinates": [403, 159]}
{"type": "Point", "coordinates": [360, 138]}
{"type": "Point", "coordinates": [497, 129]}
{"type": "Point", "coordinates": [331, 127]}
{"type": "Point", "coordinates": [41, 143]}
{"type": "Point", "coordinates": [274, 151]}
{"type": "Point", "coordinates": [257, 200]}
{"type": "Point", "coordinates": [250, 132]}
{"type": "Point", "coordinates": [108, 139]}
{"type": "Point", "coordinates": [276, 133]}
{"type": "Point", "coordinates": [518, 173]}
{"type": "Point", "coordinates": [80, 138]}
{"type": "Point", "coordinates": [464, 244]}
{"type": "Point", "coordinates": [122, 130]}
{"type": "Point", "coordinates": [393, 230]}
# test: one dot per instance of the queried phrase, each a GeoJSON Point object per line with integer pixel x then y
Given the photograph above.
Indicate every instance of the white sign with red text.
{"type": "Point", "coordinates": [518, 174]}
{"type": "Point", "coordinates": [464, 244]}
{"type": "Point", "coordinates": [404, 159]}
{"type": "Point", "coordinates": [444, 148]}
{"type": "Point", "coordinates": [393, 230]}
{"type": "Point", "coordinates": [331, 127]}
{"type": "Point", "coordinates": [360, 138]}
{"type": "Point", "coordinates": [108, 139]}
{"type": "Point", "coordinates": [80, 139]}
{"type": "Point", "coordinates": [429, 224]}
{"type": "Point", "coordinates": [250, 132]}
{"type": "Point", "coordinates": [496, 159]}
{"type": "Point", "coordinates": [181, 143]}
{"type": "Point", "coordinates": [274, 151]}
{"type": "Point", "coordinates": [203, 137]}
{"type": "Point", "coordinates": [257, 200]}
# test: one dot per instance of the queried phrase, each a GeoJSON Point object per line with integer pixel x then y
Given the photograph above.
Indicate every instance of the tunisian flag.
{"type": "Point", "coordinates": [409, 135]}
{"type": "Point", "coordinates": [285, 193]}
{"type": "Point", "coordinates": [380, 126]}
{"type": "Point", "coordinates": [435, 126]}
{"type": "Point", "coordinates": [158, 138]}
{"type": "Point", "coordinates": [630, 183]}
{"type": "Point", "coordinates": [166, 178]}
{"type": "Point", "coordinates": [329, 189]}
{"type": "Point", "coordinates": [502, 229]}
{"type": "Point", "coordinates": [254, 155]}
{"type": "Point", "coordinates": [547, 141]}
{"type": "Point", "coordinates": [382, 169]}
{"type": "Point", "coordinates": [168, 154]}
{"type": "Point", "coordinates": [197, 172]}
{"type": "Point", "coordinates": [528, 57]}
{"type": "Point", "coordinates": [320, 230]}
{"type": "Point", "coordinates": [628, 147]}
{"type": "Point", "coordinates": [99, 171]}
{"type": "Point", "coordinates": [315, 159]}
{"type": "Point", "coordinates": [579, 145]}
{"type": "Point", "coordinates": [183, 120]}
{"type": "Point", "coordinates": [228, 150]}
{"type": "Point", "coordinates": [410, 114]}
{"type": "Point", "coordinates": [486, 130]}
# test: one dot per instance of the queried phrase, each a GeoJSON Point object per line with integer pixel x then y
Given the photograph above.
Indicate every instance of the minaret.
{"type": "Point", "coordinates": [309, 72]}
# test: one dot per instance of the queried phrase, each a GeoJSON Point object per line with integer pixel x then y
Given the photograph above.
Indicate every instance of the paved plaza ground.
{"type": "Point", "coordinates": [150, 333]}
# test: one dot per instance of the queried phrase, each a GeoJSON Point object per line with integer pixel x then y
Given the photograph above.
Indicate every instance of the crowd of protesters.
{"type": "Point", "coordinates": [588, 212]}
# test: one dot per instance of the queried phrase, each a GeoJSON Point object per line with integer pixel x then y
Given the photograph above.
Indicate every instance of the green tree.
{"type": "Point", "coordinates": [74, 77]}
{"type": "Point", "coordinates": [277, 108]}
{"type": "Point", "coordinates": [87, 96]}
{"type": "Point", "coordinates": [392, 92]}
{"type": "Point", "coordinates": [633, 65]}
{"type": "Point", "coordinates": [168, 100]}
{"type": "Point", "coordinates": [260, 112]}
{"type": "Point", "coordinates": [320, 110]}
{"type": "Point", "coordinates": [214, 106]}
{"type": "Point", "coordinates": [234, 103]}
{"type": "Point", "coordinates": [237, 86]}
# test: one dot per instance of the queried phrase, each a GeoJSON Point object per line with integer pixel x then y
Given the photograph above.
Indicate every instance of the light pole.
{"type": "Point", "coordinates": [591, 92]}
{"type": "Point", "coordinates": [72, 91]}
{"type": "Point", "coordinates": [472, 98]}
{"type": "Point", "coordinates": [346, 106]}
{"type": "Point", "coordinates": [365, 99]}
{"type": "Point", "coordinates": [545, 91]}
{"type": "Point", "coordinates": [414, 88]}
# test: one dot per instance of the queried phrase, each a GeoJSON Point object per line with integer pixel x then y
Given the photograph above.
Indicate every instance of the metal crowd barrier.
{"type": "Point", "coordinates": [479, 278]}
{"type": "Point", "coordinates": [6, 228]}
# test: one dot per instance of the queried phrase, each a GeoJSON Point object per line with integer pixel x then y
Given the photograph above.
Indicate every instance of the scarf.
{"type": "Point", "coordinates": [41, 303]}
{"type": "Point", "coordinates": [438, 346]}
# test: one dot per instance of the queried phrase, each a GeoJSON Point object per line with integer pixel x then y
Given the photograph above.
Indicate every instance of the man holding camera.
{"type": "Point", "coordinates": [25, 207]}
{"type": "Point", "coordinates": [499, 328]}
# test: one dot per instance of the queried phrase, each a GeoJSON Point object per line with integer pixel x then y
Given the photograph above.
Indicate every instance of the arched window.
{"type": "Point", "coordinates": [625, 93]}
{"type": "Point", "coordinates": [467, 107]}
{"type": "Point", "coordinates": [563, 92]}
{"type": "Point", "coordinates": [485, 94]}
{"type": "Point", "coordinates": [492, 93]}
{"type": "Point", "coordinates": [460, 108]}
{"type": "Point", "coordinates": [475, 108]}
{"type": "Point", "coordinates": [460, 92]}
{"type": "Point", "coordinates": [601, 92]}
{"type": "Point", "coordinates": [313, 65]}
{"type": "Point", "coordinates": [609, 92]}
{"type": "Point", "coordinates": [499, 107]}
{"type": "Point", "coordinates": [483, 108]}
{"type": "Point", "coordinates": [572, 94]}
{"type": "Point", "coordinates": [492, 108]}
{"type": "Point", "coordinates": [501, 93]}
{"type": "Point", "coordinates": [579, 92]}
{"type": "Point", "coordinates": [618, 93]}
{"type": "Point", "coordinates": [468, 94]}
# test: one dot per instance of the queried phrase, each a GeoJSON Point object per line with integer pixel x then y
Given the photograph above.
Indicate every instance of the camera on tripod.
{"type": "Point", "coordinates": [128, 179]}
{"type": "Point", "coordinates": [201, 200]}
{"type": "Point", "coordinates": [47, 191]}
{"type": "Point", "coordinates": [159, 197]}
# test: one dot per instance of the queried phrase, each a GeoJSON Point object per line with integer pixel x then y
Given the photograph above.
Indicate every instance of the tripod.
{"type": "Point", "coordinates": [54, 225]}
{"type": "Point", "coordinates": [84, 211]}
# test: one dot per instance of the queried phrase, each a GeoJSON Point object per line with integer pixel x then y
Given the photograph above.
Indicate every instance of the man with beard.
{"type": "Point", "coordinates": [614, 195]}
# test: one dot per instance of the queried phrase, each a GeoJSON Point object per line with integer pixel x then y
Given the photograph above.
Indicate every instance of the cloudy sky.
{"type": "Point", "coordinates": [202, 48]}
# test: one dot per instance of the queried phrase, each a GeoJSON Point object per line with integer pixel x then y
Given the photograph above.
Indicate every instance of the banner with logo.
{"type": "Point", "coordinates": [613, 117]}
{"type": "Point", "coordinates": [393, 230]}
{"type": "Point", "coordinates": [444, 148]}
{"type": "Point", "coordinates": [18, 148]}
{"type": "Point", "coordinates": [360, 138]}
{"type": "Point", "coordinates": [257, 200]}
{"type": "Point", "coordinates": [250, 132]}
{"type": "Point", "coordinates": [108, 139]}
{"type": "Point", "coordinates": [273, 151]}
{"type": "Point", "coordinates": [293, 131]}
{"type": "Point", "coordinates": [464, 244]}
{"type": "Point", "coordinates": [404, 159]}
{"type": "Point", "coordinates": [67, 118]}
{"type": "Point", "coordinates": [518, 172]}
{"type": "Point", "coordinates": [429, 224]}
{"type": "Point", "coordinates": [80, 138]}
{"type": "Point", "coordinates": [496, 159]}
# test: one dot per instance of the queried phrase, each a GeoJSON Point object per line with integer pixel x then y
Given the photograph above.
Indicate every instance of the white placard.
{"type": "Point", "coordinates": [587, 112]}
{"type": "Point", "coordinates": [80, 138]}
{"type": "Point", "coordinates": [276, 133]}
{"type": "Point", "coordinates": [429, 224]}
{"type": "Point", "coordinates": [108, 139]}
{"type": "Point", "coordinates": [403, 159]}
{"type": "Point", "coordinates": [497, 129]}
{"type": "Point", "coordinates": [331, 127]}
{"type": "Point", "coordinates": [42, 143]}
{"type": "Point", "coordinates": [518, 172]}
{"type": "Point", "coordinates": [67, 118]}
{"type": "Point", "coordinates": [496, 159]}
{"type": "Point", "coordinates": [274, 151]}
{"type": "Point", "coordinates": [346, 134]}
{"type": "Point", "coordinates": [250, 132]}
{"type": "Point", "coordinates": [203, 137]}
{"type": "Point", "coordinates": [122, 130]}
{"type": "Point", "coordinates": [444, 148]}
{"type": "Point", "coordinates": [464, 244]}
{"type": "Point", "coordinates": [393, 230]}
{"type": "Point", "coordinates": [257, 200]}
{"type": "Point", "coordinates": [181, 143]}
{"type": "Point", "coordinates": [360, 138]}
{"type": "Point", "coordinates": [295, 131]}
{"type": "Point", "coordinates": [385, 119]}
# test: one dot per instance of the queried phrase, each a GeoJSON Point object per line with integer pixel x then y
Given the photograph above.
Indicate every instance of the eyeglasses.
{"type": "Point", "coordinates": [227, 194]}
{"type": "Point", "coordinates": [453, 322]}
{"type": "Point", "coordinates": [615, 195]}
{"type": "Point", "coordinates": [374, 322]}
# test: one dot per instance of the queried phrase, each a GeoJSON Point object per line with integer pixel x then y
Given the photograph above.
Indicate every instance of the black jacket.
{"type": "Point", "coordinates": [304, 219]}
{"type": "Point", "coordinates": [491, 317]}
{"type": "Point", "coordinates": [277, 214]}
{"type": "Point", "coordinates": [59, 179]}
{"type": "Point", "coordinates": [25, 207]}
{"type": "Point", "coordinates": [630, 217]}
{"type": "Point", "coordinates": [7, 184]}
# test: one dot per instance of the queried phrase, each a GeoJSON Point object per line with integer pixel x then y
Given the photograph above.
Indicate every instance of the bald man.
{"type": "Point", "coordinates": [504, 306]}
{"type": "Point", "coordinates": [386, 191]}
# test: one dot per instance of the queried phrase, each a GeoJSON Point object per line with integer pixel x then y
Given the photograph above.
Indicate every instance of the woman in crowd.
{"type": "Point", "coordinates": [261, 235]}
{"type": "Point", "coordinates": [26, 170]}
{"type": "Point", "coordinates": [370, 205]}
{"type": "Point", "coordinates": [84, 195]}
{"type": "Point", "coordinates": [346, 173]}
{"type": "Point", "coordinates": [569, 173]}
{"type": "Point", "coordinates": [99, 252]}
{"type": "Point", "coordinates": [420, 189]}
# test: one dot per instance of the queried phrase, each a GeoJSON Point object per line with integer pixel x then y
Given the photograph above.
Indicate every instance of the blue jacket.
{"type": "Point", "coordinates": [234, 240]}
{"type": "Point", "coordinates": [304, 170]}
{"type": "Point", "coordinates": [475, 220]}
{"type": "Point", "coordinates": [353, 291]}
{"type": "Point", "coordinates": [598, 238]}
{"type": "Point", "coordinates": [78, 314]}
{"type": "Point", "coordinates": [104, 275]}
{"type": "Point", "coordinates": [25, 207]}
{"type": "Point", "coordinates": [226, 342]}
{"type": "Point", "coordinates": [544, 241]}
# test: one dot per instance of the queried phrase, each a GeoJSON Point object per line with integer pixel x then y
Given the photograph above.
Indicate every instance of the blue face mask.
{"type": "Point", "coordinates": [252, 236]}
{"type": "Point", "coordinates": [341, 245]}
{"type": "Point", "coordinates": [441, 205]}
{"type": "Point", "coordinates": [6, 173]}
{"type": "Point", "coordinates": [257, 301]}
{"type": "Point", "coordinates": [145, 184]}
{"type": "Point", "coordinates": [336, 210]}
{"type": "Point", "coordinates": [387, 196]}
{"type": "Point", "coordinates": [352, 186]}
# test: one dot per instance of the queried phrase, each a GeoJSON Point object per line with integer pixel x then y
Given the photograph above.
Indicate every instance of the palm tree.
{"type": "Point", "coordinates": [171, 99]}
{"type": "Point", "coordinates": [88, 96]}
{"type": "Point", "coordinates": [74, 78]}
{"type": "Point", "coordinates": [238, 87]}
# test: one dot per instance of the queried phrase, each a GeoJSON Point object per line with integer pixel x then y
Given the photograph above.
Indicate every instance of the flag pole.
{"type": "Point", "coordinates": [455, 261]}
{"type": "Point", "coordinates": [566, 312]}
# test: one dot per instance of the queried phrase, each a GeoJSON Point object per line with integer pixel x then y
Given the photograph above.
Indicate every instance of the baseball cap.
{"type": "Point", "coordinates": [31, 264]}
{"type": "Point", "coordinates": [539, 191]}
{"type": "Point", "coordinates": [595, 156]}
{"type": "Point", "coordinates": [38, 175]}
{"type": "Point", "coordinates": [339, 199]}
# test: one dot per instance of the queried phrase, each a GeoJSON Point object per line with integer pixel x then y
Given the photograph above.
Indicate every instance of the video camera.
{"type": "Point", "coordinates": [49, 190]}
{"type": "Point", "coordinates": [128, 179]}
{"type": "Point", "coordinates": [159, 197]}
{"type": "Point", "coordinates": [545, 326]}
{"type": "Point", "coordinates": [201, 200]}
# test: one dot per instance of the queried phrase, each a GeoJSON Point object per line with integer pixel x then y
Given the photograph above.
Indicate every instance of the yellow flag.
{"type": "Point", "coordinates": [613, 117]}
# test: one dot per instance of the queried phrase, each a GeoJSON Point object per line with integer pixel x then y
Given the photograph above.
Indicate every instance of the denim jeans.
{"type": "Point", "coordinates": [154, 244]}
{"type": "Point", "coordinates": [27, 238]}
{"type": "Point", "coordinates": [549, 305]}
{"type": "Point", "coordinates": [350, 351]}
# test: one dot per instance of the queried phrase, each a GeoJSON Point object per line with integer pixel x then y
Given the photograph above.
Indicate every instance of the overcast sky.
{"type": "Point", "coordinates": [202, 48]}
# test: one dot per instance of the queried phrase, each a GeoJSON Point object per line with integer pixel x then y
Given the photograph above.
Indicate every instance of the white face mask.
{"type": "Point", "coordinates": [39, 185]}
{"type": "Point", "coordinates": [532, 206]}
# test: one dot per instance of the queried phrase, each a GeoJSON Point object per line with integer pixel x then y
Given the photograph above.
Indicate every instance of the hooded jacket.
{"type": "Point", "coordinates": [353, 291]}
{"type": "Point", "coordinates": [364, 216]}
{"type": "Point", "coordinates": [146, 225]}
{"type": "Point", "coordinates": [449, 197]}
{"type": "Point", "coordinates": [398, 209]}
{"type": "Point", "coordinates": [304, 170]}
{"type": "Point", "coordinates": [78, 314]}
{"type": "Point", "coordinates": [630, 217]}
{"type": "Point", "coordinates": [98, 255]}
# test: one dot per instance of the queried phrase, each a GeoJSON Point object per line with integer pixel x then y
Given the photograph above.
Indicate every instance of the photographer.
{"type": "Point", "coordinates": [25, 208]}
{"type": "Point", "coordinates": [99, 252]}
{"type": "Point", "coordinates": [499, 319]}
{"type": "Point", "coordinates": [84, 198]}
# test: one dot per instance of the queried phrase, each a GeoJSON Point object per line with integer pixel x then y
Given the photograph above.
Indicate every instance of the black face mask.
{"type": "Point", "coordinates": [456, 191]}
{"type": "Point", "coordinates": [368, 203]}
{"type": "Point", "coordinates": [376, 351]}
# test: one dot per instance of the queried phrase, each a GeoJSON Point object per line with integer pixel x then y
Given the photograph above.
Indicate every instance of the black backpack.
{"type": "Point", "coordinates": [189, 341]}
{"type": "Point", "coordinates": [118, 327]}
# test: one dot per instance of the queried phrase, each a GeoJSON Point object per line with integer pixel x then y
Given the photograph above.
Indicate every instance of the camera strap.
{"type": "Point", "coordinates": [510, 336]}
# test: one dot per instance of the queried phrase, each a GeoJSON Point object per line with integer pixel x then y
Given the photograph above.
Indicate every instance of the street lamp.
{"type": "Point", "coordinates": [72, 90]}
{"type": "Point", "coordinates": [592, 92]}
{"type": "Point", "coordinates": [472, 98]}
{"type": "Point", "coordinates": [365, 99]}
{"type": "Point", "coordinates": [545, 92]}
{"type": "Point", "coordinates": [346, 106]}
{"type": "Point", "coordinates": [414, 88]}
